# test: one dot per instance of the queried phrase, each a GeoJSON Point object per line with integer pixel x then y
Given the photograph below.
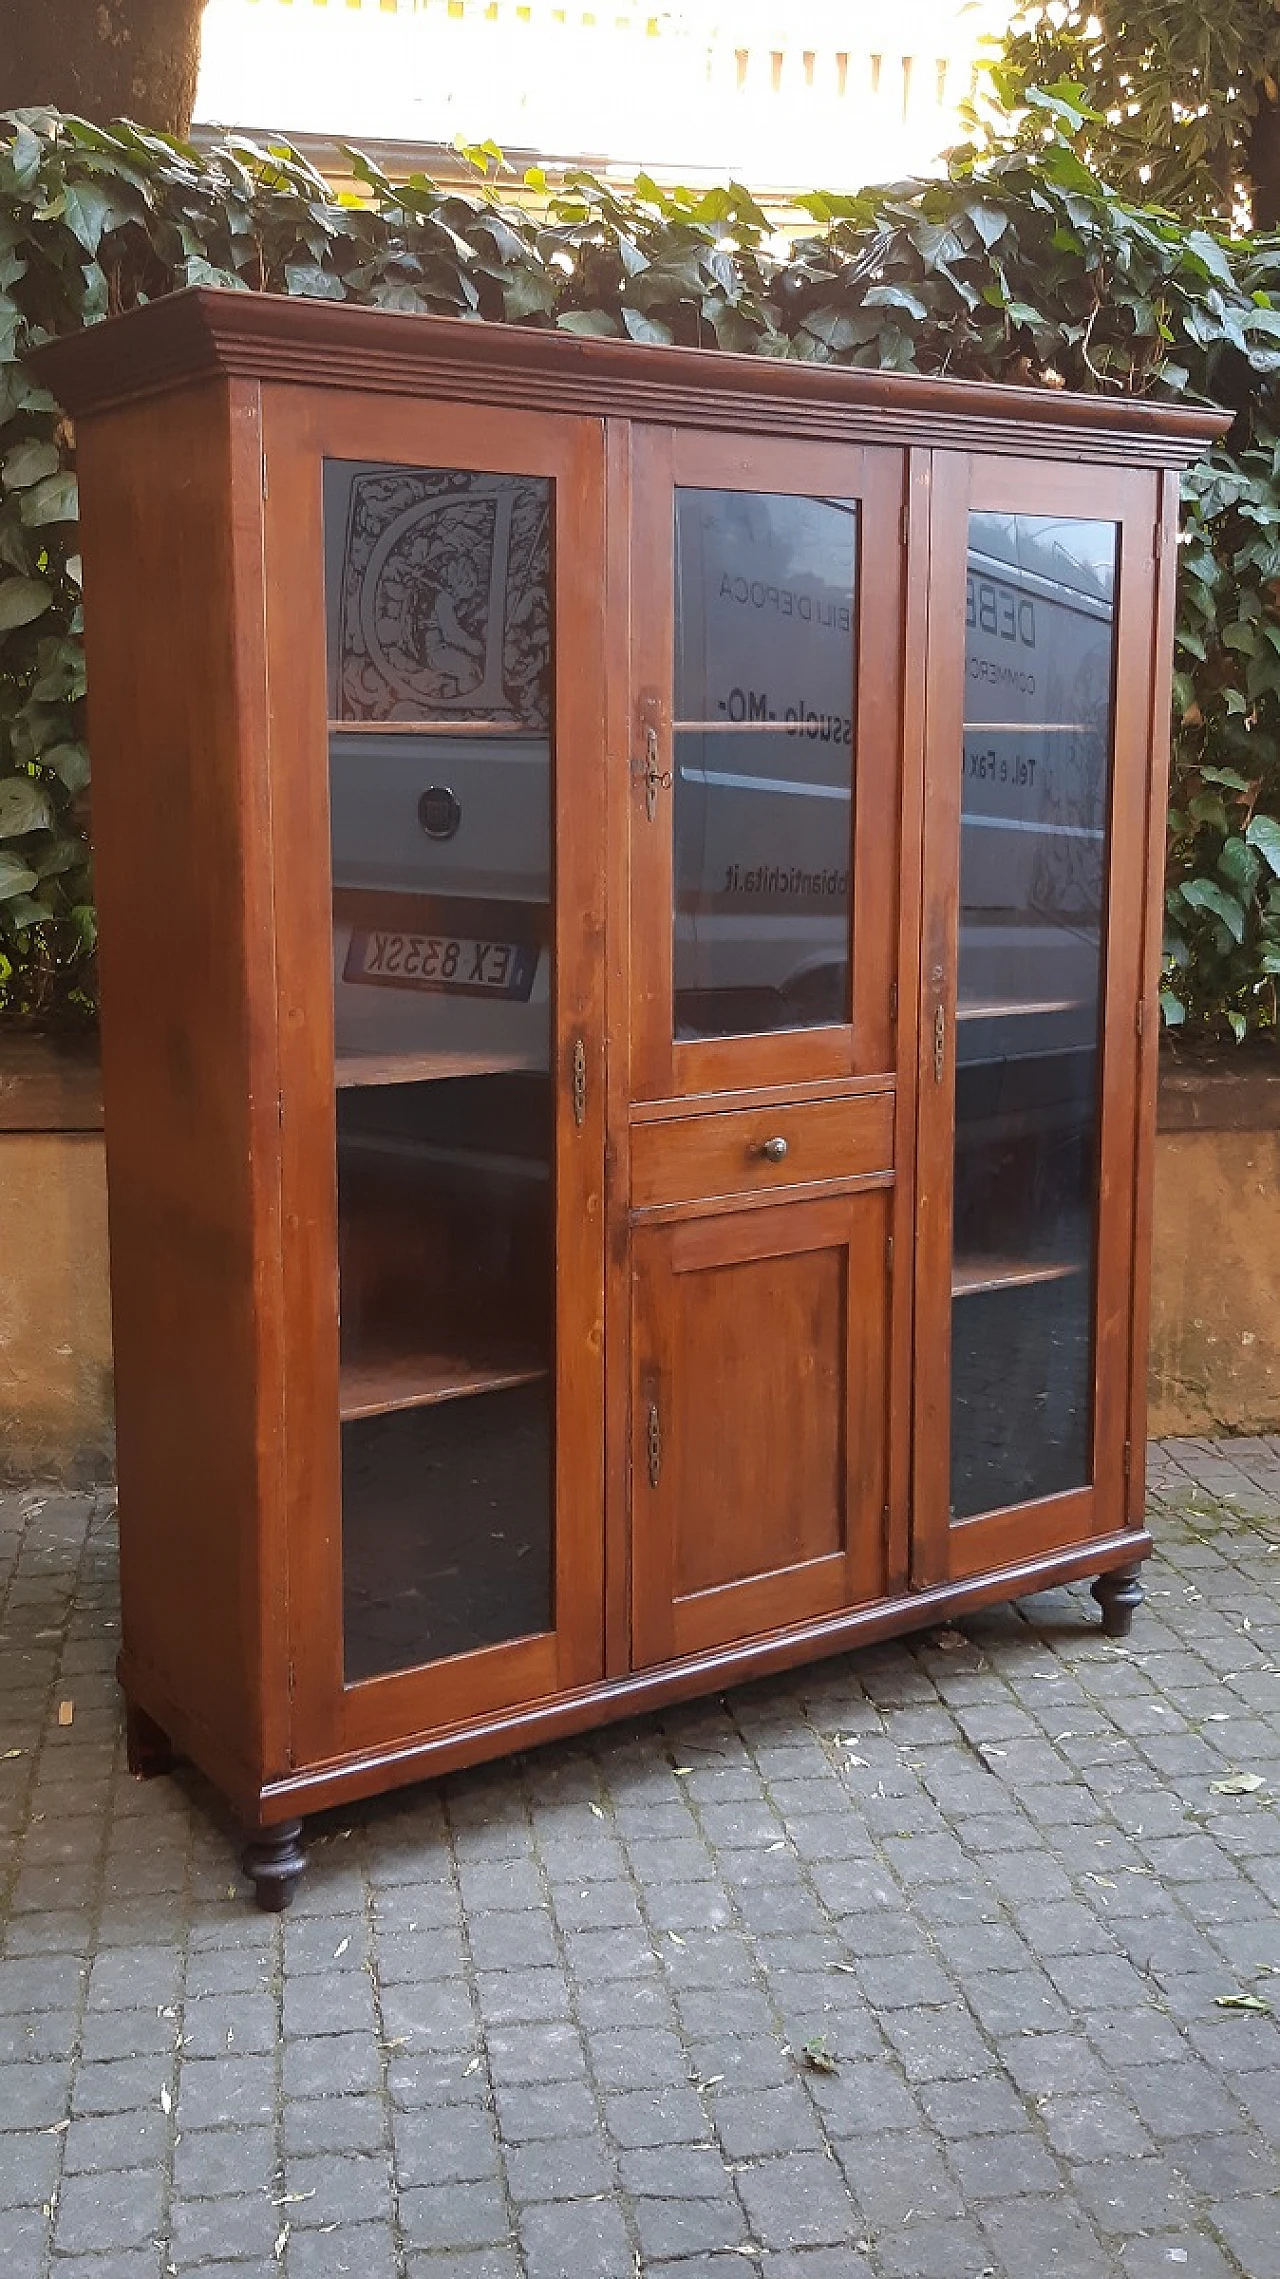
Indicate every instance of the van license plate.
{"type": "Point", "coordinates": [467, 967]}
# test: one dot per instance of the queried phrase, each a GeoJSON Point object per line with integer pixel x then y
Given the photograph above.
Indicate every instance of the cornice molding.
{"type": "Point", "coordinates": [199, 334]}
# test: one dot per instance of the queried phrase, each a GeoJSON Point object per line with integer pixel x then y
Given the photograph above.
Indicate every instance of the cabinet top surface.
{"type": "Point", "coordinates": [199, 334]}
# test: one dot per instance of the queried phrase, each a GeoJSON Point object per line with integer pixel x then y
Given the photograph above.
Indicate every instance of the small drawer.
{"type": "Point", "coordinates": [752, 1151]}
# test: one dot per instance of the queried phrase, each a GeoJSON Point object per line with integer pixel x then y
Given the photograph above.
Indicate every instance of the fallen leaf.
{"type": "Point", "coordinates": [282, 2241]}
{"type": "Point", "coordinates": [166, 2101]}
{"type": "Point", "coordinates": [1236, 1784]}
{"type": "Point", "coordinates": [817, 2056]}
{"type": "Point", "coordinates": [1252, 2002]}
{"type": "Point", "coordinates": [1218, 1717]}
{"type": "Point", "coordinates": [474, 2067]}
{"type": "Point", "coordinates": [341, 1949]}
{"type": "Point", "coordinates": [66, 1711]}
{"type": "Point", "coordinates": [676, 1939]}
{"type": "Point", "coordinates": [598, 1810]}
{"type": "Point", "coordinates": [683, 1772]}
{"type": "Point", "coordinates": [13, 1753]}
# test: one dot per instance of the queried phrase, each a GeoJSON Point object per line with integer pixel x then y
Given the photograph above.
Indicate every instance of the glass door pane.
{"type": "Point", "coordinates": [1036, 790]}
{"type": "Point", "coordinates": [763, 761]}
{"type": "Point", "coordinates": [438, 601]}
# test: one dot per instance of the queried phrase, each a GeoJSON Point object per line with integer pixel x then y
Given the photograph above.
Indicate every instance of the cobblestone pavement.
{"type": "Point", "coordinates": [913, 1964]}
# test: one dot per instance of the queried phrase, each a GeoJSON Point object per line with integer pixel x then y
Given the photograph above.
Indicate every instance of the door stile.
{"type": "Point", "coordinates": [295, 625]}
{"type": "Point", "coordinates": [906, 1002]}
{"type": "Point", "coordinates": [649, 758]}
{"type": "Point", "coordinates": [935, 1062]}
{"type": "Point", "coordinates": [1124, 952]}
{"type": "Point", "coordinates": [1149, 1000]}
{"type": "Point", "coordinates": [619, 747]}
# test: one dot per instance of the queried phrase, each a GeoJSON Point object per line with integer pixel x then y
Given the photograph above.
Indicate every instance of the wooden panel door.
{"type": "Point", "coordinates": [437, 810]}
{"type": "Point", "coordinates": [768, 837]}
{"type": "Point", "coordinates": [1042, 702]}
{"type": "Point", "coordinates": [758, 1421]}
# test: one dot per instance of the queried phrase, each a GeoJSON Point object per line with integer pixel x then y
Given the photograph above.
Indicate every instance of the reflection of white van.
{"type": "Point", "coordinates": [1036, 762]}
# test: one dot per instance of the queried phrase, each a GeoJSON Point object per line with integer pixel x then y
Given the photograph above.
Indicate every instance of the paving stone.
{"type": "Point", "coordinates": [335, 2190]}
{"type": "Point", "coordinates": [226, 2230]}
{"type": "Point", "coordinates": [212, 2164]}
{"type": "Point", "coordinates": [584, 2241]}
{"type": "Point", "coordinates": [29, 2163]}
{"type": "Point", "coordinates": [366, 2251]}
{"type": "Point", "coordinates": [449, 2216]}
{"type": "Point", "coordinates": [798, 2200]}
{"type": "Point", "coordinates": [452, 2145]}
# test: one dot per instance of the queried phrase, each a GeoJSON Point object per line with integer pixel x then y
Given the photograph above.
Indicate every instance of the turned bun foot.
{"type": "Point", "coordinates": [1119, 1594]}
{"type": "Point", "coordinates": [274, 1861]}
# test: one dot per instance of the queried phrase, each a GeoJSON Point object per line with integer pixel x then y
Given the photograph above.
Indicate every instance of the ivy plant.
{"type": "Point", "coordinates": [1020, 265]}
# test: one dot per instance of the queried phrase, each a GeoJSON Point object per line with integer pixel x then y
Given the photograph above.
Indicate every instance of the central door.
{"type": "Point", "coordinates": [766, 744]}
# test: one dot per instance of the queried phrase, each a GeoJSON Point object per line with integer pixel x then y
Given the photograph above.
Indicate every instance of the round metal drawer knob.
{"type": "Point", "coordinates": [773, 1150]}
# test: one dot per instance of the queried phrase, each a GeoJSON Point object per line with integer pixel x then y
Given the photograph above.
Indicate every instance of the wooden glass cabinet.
{"type": "Point", "coordinates": [630, 888]}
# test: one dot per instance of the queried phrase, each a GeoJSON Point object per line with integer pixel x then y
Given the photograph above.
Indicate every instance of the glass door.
{"type": "Point", "coordinates": [464, 1059]}
{"type": "Point", "coordinates": [1035, 863]}
{"type": "Point", "coordinates": [440, 684]}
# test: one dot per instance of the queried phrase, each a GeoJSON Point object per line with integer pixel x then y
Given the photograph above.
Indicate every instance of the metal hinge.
{"type": "Point", "coordinates": [579, 1082]}
{"type": "Point", "coordinates": [893, 1001]}
{"type": "Point", "coordinates": [1128, 1461]}
{"type": "Point", "coordinates": [653, 1443]}
{"type": "Point", "coordinates": [1142, 1017]}
{"type": "Point", "coordinates": [889, 1252]}
{"type": "Point", "coordinates": [906, 522]}
{"type": "Point", "coordinates": [1157, 539]}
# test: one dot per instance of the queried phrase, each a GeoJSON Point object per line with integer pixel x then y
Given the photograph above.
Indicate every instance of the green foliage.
{"type": "Point", "coordinates": [1020, 266]}
{"type": "Point", "coordinates": [1181, 97]}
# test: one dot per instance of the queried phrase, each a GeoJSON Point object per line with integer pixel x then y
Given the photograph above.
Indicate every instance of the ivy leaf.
{"type": "Point", "coordinates": [15, 878]}
{"type": "Point", "coordinates": [1206, 894]}
{"type": "Point", "coordinates": [70, 763]}
{"type": "Point", "coordinates": [87, 209]}
{"type": "Point", "coordinates": [28, 462]}
{"type": "Point", "coordinates": [1263, 832]}
{"type": "Point", "coordinates": [55, 499]}
{"type": "Point", "coordinates": [24, 806]}
{"type": "Point", "coordinates": [22, 600]}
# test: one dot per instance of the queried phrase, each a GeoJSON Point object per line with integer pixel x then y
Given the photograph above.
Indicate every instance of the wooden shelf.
{"type": "Point", "coordinates": [969, 1276]}
{"type": "Point", "coordinates": [1008, 1009]}
{"type": "Point", "coordinates": [438, 728]}
{"type": "Point", "coordinates": [374, 1383]}
{"type": "Point", "coordinates": [353, 1068]}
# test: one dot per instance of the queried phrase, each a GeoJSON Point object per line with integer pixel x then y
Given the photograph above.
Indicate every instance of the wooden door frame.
{"type": "Point", "coordinates": [962, 483]}
{"type": "Point", "coordinates": [302, 426]}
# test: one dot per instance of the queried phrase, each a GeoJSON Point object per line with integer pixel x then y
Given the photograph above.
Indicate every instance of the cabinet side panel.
{"type": "Point", "coordinates": [172, 549]}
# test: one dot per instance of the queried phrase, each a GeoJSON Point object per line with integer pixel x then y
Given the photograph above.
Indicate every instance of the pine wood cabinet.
{"type": "Point", "coordinates": [630, 889]}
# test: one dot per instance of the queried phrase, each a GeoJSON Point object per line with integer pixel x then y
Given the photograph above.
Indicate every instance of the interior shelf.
{"type": "Point", "coordinates": [352, 1068]}
{"type": "Point", "coordinates": [996, 1008]}
{"type": "Point", "coordinates": [970, 1275]}
{"type": "Point", "coordinates": [450, 729]}
{"type": "Point", "coordinates": [375, 1382]}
